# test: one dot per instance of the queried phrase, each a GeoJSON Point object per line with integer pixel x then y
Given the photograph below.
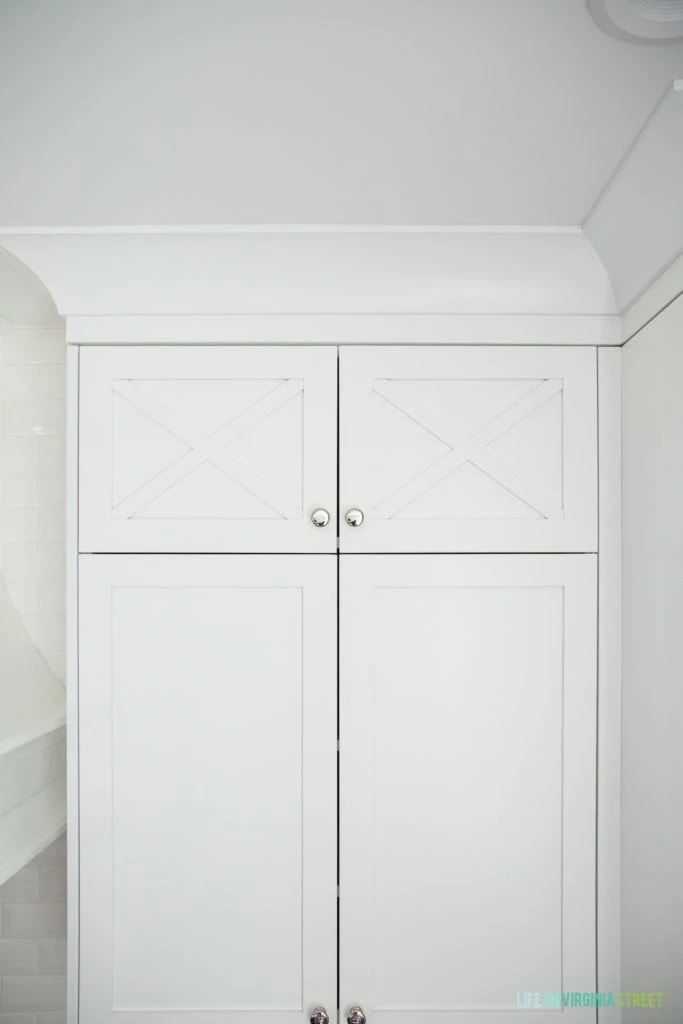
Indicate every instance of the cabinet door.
{"type": "Point", "coordinates": [467, 773]}
{"type": "Point", "coordinates": [469, 449]}
{"type": "Point", "coordinates": [207, 788]}
{"type": "Point", "coordinates": [228, 448]}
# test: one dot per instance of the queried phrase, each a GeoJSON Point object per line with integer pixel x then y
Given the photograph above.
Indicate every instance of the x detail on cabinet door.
{"type": "Point", "coordinates": [468, 449]}
{"type": "Point", "coordinates": [467, 775]}
{"type": "Point", "coordinates": [208, 788]}
{"type": "Point", "coordinates": [228, 448]}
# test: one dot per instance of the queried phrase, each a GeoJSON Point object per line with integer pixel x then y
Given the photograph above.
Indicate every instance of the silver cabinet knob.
{"type": "Point", "coordinates": [319, 1015]}
{"type": "Point", "coordinates": [355, 1016]}
{"type": "Point", "coordinates": [354, 517]}
{"type": "Point", "coordinates": [320, 517]}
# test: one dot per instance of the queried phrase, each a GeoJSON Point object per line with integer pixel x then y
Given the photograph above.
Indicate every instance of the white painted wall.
{"type": "Point", "coordinates": [652, 823]}
{"type": "Point", "coordinates": [32, 484]}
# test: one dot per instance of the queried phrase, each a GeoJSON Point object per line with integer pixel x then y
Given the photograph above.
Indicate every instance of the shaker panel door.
{"type": "Point", "coordinates": [207, 788]}
{"type": "Point", "coordinates": [227, 448]}
{"type": "Point", "coordinates": [467, 774]}
{"type": "Point", "coordinates": [468, 448]}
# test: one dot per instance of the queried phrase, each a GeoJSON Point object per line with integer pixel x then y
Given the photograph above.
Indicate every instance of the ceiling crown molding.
{"type": "Point", "coordinates": [220, 272]}
{"type": "Point", "coordinates": [636, 225]}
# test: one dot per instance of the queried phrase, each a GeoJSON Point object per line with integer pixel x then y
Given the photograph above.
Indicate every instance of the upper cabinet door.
{"type": "Point", "coordinates": [468, 449]}
{"type": "Point", "coordinates": [208, 449]}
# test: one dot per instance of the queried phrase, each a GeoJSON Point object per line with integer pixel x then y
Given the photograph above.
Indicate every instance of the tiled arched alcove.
{"type": "Point", "coordinates": [32, 449]}
{"type": "Point", "coordinates": [32, 643]}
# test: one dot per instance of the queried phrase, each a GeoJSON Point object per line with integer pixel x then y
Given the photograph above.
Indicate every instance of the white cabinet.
{"type": "Point", "coordinates": [467, 827]}
{"type": "Point", "coordinates": [441, 449]}
{"type": "Point", "coordinates": [208, 853]}
{"type": "Point", "coordinates": [210, 682]}
{"type": "Point", "coordinates": [468, 449]}
{"type": "Point", "coordinates": [207, 449]}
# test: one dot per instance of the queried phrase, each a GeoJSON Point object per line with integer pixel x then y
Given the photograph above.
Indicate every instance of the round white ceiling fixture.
{"type": "Point", "coordinates": [640, 21]}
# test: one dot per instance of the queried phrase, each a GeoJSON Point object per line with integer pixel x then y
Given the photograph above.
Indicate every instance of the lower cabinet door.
{"type": "Point", "coordinates": [207, 788]}
{"type": "Point", "coordinates": [467, 774]}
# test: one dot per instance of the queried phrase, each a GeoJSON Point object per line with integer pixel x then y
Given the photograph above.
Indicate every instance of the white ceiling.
{"type": "Point", "coordinates": [315, 111]}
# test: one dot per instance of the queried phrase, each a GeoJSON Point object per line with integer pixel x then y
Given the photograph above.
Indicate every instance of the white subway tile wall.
{"type": "Point", "coordinates": [33, 941]}
{"type": "Point", "coordinates": [32, 485]}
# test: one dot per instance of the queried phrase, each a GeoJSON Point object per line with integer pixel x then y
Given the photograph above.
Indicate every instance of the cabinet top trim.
{"type": "Point", "coordinates": [344, 330]}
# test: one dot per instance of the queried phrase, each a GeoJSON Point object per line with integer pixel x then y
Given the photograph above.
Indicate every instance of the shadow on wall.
{"type": "Point", "coordinates": [33, 940]}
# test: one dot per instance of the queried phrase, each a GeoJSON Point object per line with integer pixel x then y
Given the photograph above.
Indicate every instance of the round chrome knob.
{"type": "Point", "coordinates": [355, 1016]}
{"type": "Point", "coordinates": [354, 517]}
{"type": "Point", "coordinates": [320, 517]}
{"type": "Point", "coordinates": [319, 1015]}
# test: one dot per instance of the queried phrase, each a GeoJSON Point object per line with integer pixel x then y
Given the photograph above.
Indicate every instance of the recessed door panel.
{"type": "Point", "coordinates": [468, 449]}
{"type": "Point", "coordinates": [207, 449]}
{"type": "Point", "coordinates": [467, 773]}
{"type": "Point", "coordinates": [208, 788]}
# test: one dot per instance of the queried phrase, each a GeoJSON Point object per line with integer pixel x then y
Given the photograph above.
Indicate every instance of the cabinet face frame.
{"type": "Point", "coordinates": [540, 495]}
{"type": "Point", "coordinates": [160, 466]}
{"type": "Point", "coordinates": [72, 682]}
{"type": "Point", "coordinates": [304, 588]}
{"type": "Point", "coordinates": [608, 923]}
